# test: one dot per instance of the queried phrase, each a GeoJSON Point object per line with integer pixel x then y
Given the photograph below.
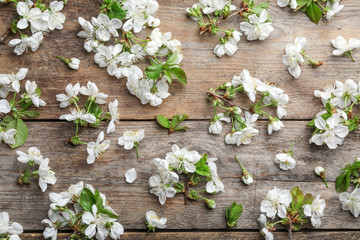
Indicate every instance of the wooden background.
{"type": "Point", "coordinates": [28, 205]}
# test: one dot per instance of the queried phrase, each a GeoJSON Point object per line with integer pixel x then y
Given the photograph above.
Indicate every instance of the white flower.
{"type": "Point", "coordinates": [284, 3]}
{"type": "Point", "coordinates": [8, 136]}
{"type": "Point", "coordinates": [267, 234]}
{"type": "Point", "coordinates": [342, 45]}
{"type": "Point", "coordinates": [161, 183]}
{"type": "Point", "coordinates": [215, 185]}
{"type": "Point", "coordinates": [130, 175]}
{"type": "Point", "coordinates": [182, 160]}
{"type": "Point", "coordinates": [33, 154]}
{"type": "Point", "coordinates": [326, 95]}
{"type": "Point", "coordinates": [274, 125]}
{"type": "Point", "coordinates": [276, 201]}
{"type": "Point", "coordinates": [293, 59]}
{"type": "Point", "coordinates": [28, 14]}
{"type": "Point", "coordinates": [71, 94]}
{"type": "Point", "coordinates": [95, 149]}
{"type": "Point", "coordinates": [346, 92]}
{"type": "Point", "coordinates": [216, 125]}
{"type": "Point", "coordinates": [46, 176]}
{"type": "Point", "coordinates": [4, 106]}
{"type": "Point", "coordinates": [30, 88]}
{"type": "Point", "coordinates": [22, 45]}
{"type": "Point", "coordinates": [7, 227]}
{"type": "Point", "coordinates": [106, 27]}
{"type": "Point", "coordinates": [257, 28]}
{"type": "Point", "coordinates": [59, 199]}
{"type": "Point", "coordinates": [318, 170]}
{"type": "Point", "coordinates": [334, 7]}
{"type": "Point", "coordinates": [157, 40]}
{"type": "Point", "coordinates": [96, 224]}
{"type": "Point", "coordinates": [332, 132]}
{"type": "Point", "coordinates": [11, 82]}
{"type": "Point", "coordinates": [315, 210]}
{"type": "Point", "coordinates": [78, 114]}
{"type": "Point", "coordinates": [115, 116]}
{"type": "Point", "coordinates": [210, 6]}
{"type": "Point", "coordinates": [285, 161]}
{"type": "Point", "coordinates": [55, 221]}
{"type": "Point", "coordinates": [91, 43]}
{"type": "Point", "coordinates": [116, 230]}
{"type": "Point", "coordinates": [137, 12]}
{"type": "Point", "coordinates": [248, 82]}
{"type": "Point", "coordinates": [74, 63]}
{"type": "Point", "coordinates": [131, 138]}
{"type": "Point", "coordinates": [92, 91]}
{"type": "Point", "coordinates": [53, 16]}
{"type": "Point", "coordinates": [154, 221]}
{"type": "Point", "coordinates": [351, 201]}
{"type": "Point", "coordinates": [153, 22]}
{"type": "Point", "coordinates": [108, 57]}
{"type": "Point", "coordinates": [229, 47]}
{"type": "Point", "coordinates": [153, 94]}
{"type": "Point", "coordinates": [137, 52]}
{"type": "Point", "coordinates": [248, 179]}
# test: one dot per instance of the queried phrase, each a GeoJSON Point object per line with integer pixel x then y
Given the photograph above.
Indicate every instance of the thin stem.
{"type": "Point", "coordinates": [76, 106]}
{"type": "Point", "coordinates": [77, 129]}
{"type": "Point", "coordinates": [292, 144]}
{"type": "Point", "coordinates": [136, 148]}
{"type": "Point", "coordinates": [239, 163]}
{"type": "Point", "coordinates": [220, 97]}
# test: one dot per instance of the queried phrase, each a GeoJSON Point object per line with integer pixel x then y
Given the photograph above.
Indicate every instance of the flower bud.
{"type": "Point", "coordinates": [210, 203]}
{"type": "Point", "coordinates": [247, 178]}
{"type": "Point", "coordinates": [74, 63]}
{"type": "Point", "coordinates": [227, 85]}
{"type": "Point", "coordinates": [319, 170]}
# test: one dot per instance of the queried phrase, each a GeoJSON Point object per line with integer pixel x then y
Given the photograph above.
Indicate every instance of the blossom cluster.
{"type": "Point", "coordinates": [44, 173]}
{"type": "Point", "coordinates": [38, 19]}
{"type": "Point", "coordinates": [165, 183]}
{"type": "Point", "coordinates": [120, 57]}
{"type": "Point", "coordinates": [294, 57]}
{"type": "Point", "coordinates": [345, 47]}
{"type": "Point", "coordinates": [256, 25]}
{"type": "Point", "coordinates": [8, 229]}
{"type": "Point", "coordinates": [243, 127]}
{"type": "Point", "coordinates": [292, 208]}
{"type": "Point", "coordinates": [335, 122]}
{"type": "Point", "coordinates": [85, 210]}
{"type": "Point", "coordinates": [315, 10]}
{"type": "Point", "coordinates": [13, 130]}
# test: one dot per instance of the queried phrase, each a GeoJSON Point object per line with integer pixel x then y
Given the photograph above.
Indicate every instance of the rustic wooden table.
{"type": "Point", "coordinates": [28, 205]}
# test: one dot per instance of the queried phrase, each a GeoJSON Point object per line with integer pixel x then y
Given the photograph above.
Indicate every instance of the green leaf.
{"type": "Point", "coordinates": [311, 123]}
{"type": "Point", "coordinates": [107, 212]}
{"type": "Point", "coordinates": [176, 119]}
{"type": "Point", "coordinates": [297, 197]}
{"type": "Point", "coordinates": [87, 199]}
{"type": "Point", "coordinates": [203, 170]}
{"type": "Point", "coordinates": [343, 181]}
{"type": "Point", "coordinates": [308, 199]}
{"type": "Point", "coordinates": [38, 91]}
{"type": "Point", "coordinates": [227, 213]}
{"type": "Point", "coordinates": [301, 4]}
{"type": "Point", "coordinates": [116, 11]}
{"type": "Point", "coordinates": [234, 214]}
{"type": "Point", "coordinates": [355, 166]}
{"type": "Point", "coordinates": [163, 121]}
{"type": "Point", "coordinates": [181, 128]}
{"type": "Point", "coordinates": [154, 71]}
{"type": "Point", "coordinates": [8, 118]}
{"type": "Point", "coordinates": [202, 161]}
{"type": "Point", "coordinates": [94, 109]}
{"type": "Point", "coordinates": [259, 8]}
{"type": "Point", "coordinates": [168, 76]}
{"type": "Point", "coordinates": [98, 200]}
{"type": "Point", "coordinates": [171, 60]}
{"type": "Point", "coordinates": [179, 74]}
{"type": "Point", "coordinates": [314, 12]}
{"type": "Point", "coordinates": [21, 131]}
{"type": "Point", "coordinates": [32, 114]}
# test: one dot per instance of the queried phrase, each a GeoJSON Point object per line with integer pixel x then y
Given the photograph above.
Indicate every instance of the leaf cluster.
{"type": "Point", "coordinates": [173, 124]}
{"type": "Point", "coordinates": [233, 213]}
{"type": "Point", "coordinates": [350, 174]}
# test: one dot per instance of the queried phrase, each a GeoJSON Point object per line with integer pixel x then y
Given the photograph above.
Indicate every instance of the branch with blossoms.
{"type": "Point", "coordinates": [314, 9]}
{"type": "Point", "coordinates": [292, 208]}
{"type": "Point", "coordinates": [197, 169]}
{"type": "Point", "coordinates": [210, 13]}
{"type": "Point", "coordinates": [89, 115]}
{"type": "Point", "coordinates": [120, 21]}
{"type": "Point", "coordinates": [83, 209]}
{"type": "Point", "coordinates": [36, 18]}
{"type": "Point", "coordinates": [44, 173]}
{"type": "Point", "coordinates": [243, 127]}
{"type": "Point", "coordinates": [13, 130]}
{"type": "Point", "coordinates": [334, 123]}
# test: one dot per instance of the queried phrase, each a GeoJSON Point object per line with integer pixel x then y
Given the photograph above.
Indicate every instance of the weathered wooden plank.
{"type": "Point", "coordinates": [263, 59]}
{"type": "Point", "coordinates": [131, 201]}
{"type": "Point", "coordinates": [350, 235]}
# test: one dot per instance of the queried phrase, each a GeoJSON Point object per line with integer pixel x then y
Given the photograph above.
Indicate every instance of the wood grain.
{"type": "Point", "coordinates": [131, 201]}
{"type": "Point", "coordinates": [204, 69]}
{"type": "Point", "coordinates": [353, 235]}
